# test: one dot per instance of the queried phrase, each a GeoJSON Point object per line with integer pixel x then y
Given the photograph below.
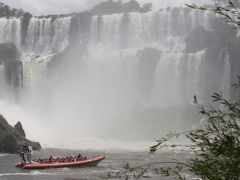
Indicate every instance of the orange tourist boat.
{"type": "Point", "coordinates": [93, 161]}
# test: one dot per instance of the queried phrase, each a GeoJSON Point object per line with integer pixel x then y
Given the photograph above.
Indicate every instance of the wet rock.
{"type": "Point", "coordinates": [12, 139]}
{"type": "Point", "coordinates": [198, 39]}
{"type": "Point", "coordinates": [8, 144]}
{"type": "Point", "coordinates": [8, 52]}
{"type": "Point", "coordinates": [18, 128]}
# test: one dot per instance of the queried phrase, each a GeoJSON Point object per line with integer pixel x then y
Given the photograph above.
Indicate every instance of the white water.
{"type": "Point", "coordinates": [33, 77]}
{"type": "Point", "coordinates": [177, 78]}
{"type": "Point", "coordinates": [226, 79]}
{"type": "Point", "coordinates": [47, 35]}
{"type": "Point", "coordinates": [2, 78]}
{"type": "Point", "coordinates": [85, 99]}
{"type": "Point", "coordinates": [10, 30]}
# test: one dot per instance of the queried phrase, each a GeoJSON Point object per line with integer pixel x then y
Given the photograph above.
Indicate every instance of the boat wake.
{"type": "Point", "coordinates": [33, 173]}
{"type": "Point", "coordinates": [2, 155]}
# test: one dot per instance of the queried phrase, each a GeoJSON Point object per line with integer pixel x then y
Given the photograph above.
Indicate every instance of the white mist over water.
{"type": "Point", "coordinates": [10, 30]}
{"type": "Point", "coordinates": [68, 6]}
{"type": "Point", "coordinates": [226, 83]}
{"type": "Point", "coordinates": [47, 35]}
{"type": "Point", "coordinates": [129, 60]}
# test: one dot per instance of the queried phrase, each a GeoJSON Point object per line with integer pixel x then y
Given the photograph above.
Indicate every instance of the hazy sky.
{"type": "Point", "coordinates": [65, 6]}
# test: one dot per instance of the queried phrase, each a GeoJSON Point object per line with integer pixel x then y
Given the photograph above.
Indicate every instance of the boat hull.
{"type": "Point", "coordinates": [84, 163]}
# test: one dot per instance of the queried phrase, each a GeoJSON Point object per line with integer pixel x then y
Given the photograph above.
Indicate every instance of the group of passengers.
{"type": "Point", "coordinates": [26, 154]}
{"type": "Point", "coordinates": [26, 157]}
{"type": "Point", "coordinates": [79, 157]}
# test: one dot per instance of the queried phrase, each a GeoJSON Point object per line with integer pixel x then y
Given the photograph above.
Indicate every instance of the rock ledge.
{"type": "Point", "coordinates": [13, 138]}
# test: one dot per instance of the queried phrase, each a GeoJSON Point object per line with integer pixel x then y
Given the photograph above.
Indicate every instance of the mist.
{"type": "Point", "coordinates": [68, 6]}
{"type": "Point", "coordinates": [115, 77]}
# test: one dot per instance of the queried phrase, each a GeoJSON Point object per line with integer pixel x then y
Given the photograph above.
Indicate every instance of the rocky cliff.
{"type": "Point", "coordinates": [13, 138]}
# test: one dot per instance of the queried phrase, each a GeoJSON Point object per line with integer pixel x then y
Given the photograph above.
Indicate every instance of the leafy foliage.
{"type": "Point", "coordinates": [219, 142]}
{"type": "Point", "coordinates": [230, 13]}
{"type": "Point", "coordinates": [147, 170]}
{"type": "Point", "coordinates": [216, 145]}
{"type": "Point", "coordinates": [216, 142]}
{"type": "Point", "coordinates": [161, 142]}
{"type": "Point", "coordinates": [6, 11]}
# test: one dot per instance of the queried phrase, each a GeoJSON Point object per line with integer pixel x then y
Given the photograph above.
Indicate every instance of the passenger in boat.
{"type": "Point", "coordinates": [21, 154]}
{"type": "Point", "coordinates": [29, 154]}
{"type": "Point", "coordinates": [79, 156]}
{"type": "Point", "coordinates": [25, 148]}
{"type": "Point", "coordinates": [26, 155]}
{"type": "Point", "coordinates": [30, 151]}
{"type": "Point", "coordinates": [71, 158]}
{"type": "Point", "coordinates": [51, 158]}
{"type": "Point", "coordinates": [67, 159]}
{"type": "Point", "coordinates": [62, 159]}
{"type": "Point", "coordinates": [57, 159]}
{"type": "Point", "coordinates": [75, 158]}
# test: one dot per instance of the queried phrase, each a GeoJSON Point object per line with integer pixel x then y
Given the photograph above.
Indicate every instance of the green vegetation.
{"type": "Point", "coordinates": [6, 11]}
{"type": "Point", "coordinates": [216, 143]}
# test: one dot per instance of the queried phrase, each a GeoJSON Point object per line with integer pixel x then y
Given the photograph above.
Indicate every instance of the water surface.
{"type": "Point", "coordinates": [114, 162]}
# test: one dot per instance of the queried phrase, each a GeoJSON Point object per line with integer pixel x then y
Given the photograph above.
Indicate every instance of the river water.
{"type": "Point", "coordinates": [114, 161]}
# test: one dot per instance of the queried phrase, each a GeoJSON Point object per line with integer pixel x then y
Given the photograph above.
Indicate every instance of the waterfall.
{"type": "Point", "coordinates": [164, 29]}
{"type": "Point", "coordinates": [177, 75]}
{"type": "Point", "coordinates": [113, 45]}
{"type": "Point", "coordinates": [10, 79]}
{"type": "Point", "coordinates": [33, 77]}
{"type": "Point", "coordinates": [91, 69]}
{"type": "Point", "coordinates": [226, 79]}
{"type": "Point", "coordinates": [47, 34]}
{"type": "Point", "coordinates": [178, 78]}
{"type": "Point", "coordinates": [10, 30]}
{"type": "Point", "coordinates": [2, 80]}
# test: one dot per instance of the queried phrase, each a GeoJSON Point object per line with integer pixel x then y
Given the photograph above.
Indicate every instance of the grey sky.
{"type": "Point", "coordinates": [38, 7]}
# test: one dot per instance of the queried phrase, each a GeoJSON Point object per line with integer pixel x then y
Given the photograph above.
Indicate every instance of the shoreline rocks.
{"type": "Point", "coordinates": [13, 138]}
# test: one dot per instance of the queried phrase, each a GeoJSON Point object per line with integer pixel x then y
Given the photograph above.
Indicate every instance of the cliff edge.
{"type": "Point", "coordinates": [13, 138]}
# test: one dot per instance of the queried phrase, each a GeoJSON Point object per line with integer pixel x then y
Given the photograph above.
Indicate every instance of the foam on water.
{"type": "Point", "coordinates": [33, 173]}
{"type": "Point", "coordinates": [100, 145]}
{"type": "Point", "coordinates": [115, 146]}
{"type": "Point", "coordinates": [2, 155]}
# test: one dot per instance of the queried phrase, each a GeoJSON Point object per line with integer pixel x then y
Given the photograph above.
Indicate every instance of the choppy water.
{"type": "Point", "coordinates": [114, 161]}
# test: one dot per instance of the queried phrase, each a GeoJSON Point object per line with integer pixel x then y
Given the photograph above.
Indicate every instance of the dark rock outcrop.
{"type": "Point", "coordinates": [13, 72]}
{"type": "Point", "coordinates": [198, 39]}
{"type": "Point", "coordinates": [18, 128]}
{"type": "Point", "coordinates": [111, 7]}
{"type": "Point", "coordinates": [12, 139]}
{"type": "Point", "coordinates": [8, 52]}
